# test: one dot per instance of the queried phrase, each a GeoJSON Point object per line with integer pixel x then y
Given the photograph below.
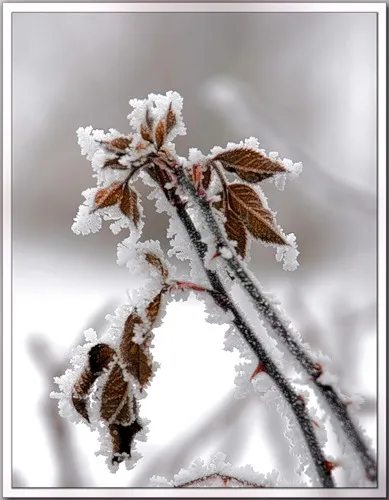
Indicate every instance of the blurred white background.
{"type": "Point", "coordinates": [305, 85]}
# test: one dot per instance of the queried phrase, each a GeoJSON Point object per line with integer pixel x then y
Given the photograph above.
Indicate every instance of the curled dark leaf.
{"type": "Point", "coordinates": [100, 356]}
{"type": "Point", "coordinates": [81, 390]}
{"type": "Point", "coordinates": [122, 437]}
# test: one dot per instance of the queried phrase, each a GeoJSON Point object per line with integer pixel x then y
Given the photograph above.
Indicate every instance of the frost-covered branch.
{"type": "Point", "coordinates": [218, 473]}
{"type": "Point", "coordinates": [277, 324]}
{"type": "Point", "coordinates": [224, 301]}
{"type": "Point", "coordinates": [216, 208]}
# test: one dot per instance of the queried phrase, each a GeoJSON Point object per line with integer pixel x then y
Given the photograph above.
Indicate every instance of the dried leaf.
{"type": "Point", "coordinates": [146, 128]}
{"type": "Point", "coordinates": [114, 392]}
{"type": "Point", "coordinates": [245, 202]}
{"type": "Point", "coordinates": [250, 165]}
{"type": "Point", "coordinates": [114, 164]}
{"type": "Point", "coordinates": [133, 355]}
{"type": "Point", "coordinates": [236, 231]}
{"type": "Point", "coordinates": [160, 133]}
{"type": "Point", "coordinates": [100, 356]}
{"type": "Point", "coordinates": [152, 310]}
{"type": "Point", "coordinates": [125, 414]}
{"type": "Point", "coordinates": [171, 119]}
{"type": "Point", "coordinates": [81, 390]}
{"type": "Point", "coordinates": [109, 196]}
{"type": "Point", "coordinates": [119, 144]}
{"type": "Point", "coordinates": [122, 437]}
{"type": "Point", "coordinates": [155, 261]}
{"type": "Point", "coordinates": [129, 204]}
{"type": "Point", "coordinates": [145, 132]}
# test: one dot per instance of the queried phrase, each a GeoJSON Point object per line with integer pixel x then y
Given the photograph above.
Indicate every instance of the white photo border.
{"type": "Point", "coordinates": [380, 10]}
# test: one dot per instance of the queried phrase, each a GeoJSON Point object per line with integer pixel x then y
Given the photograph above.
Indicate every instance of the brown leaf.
{"type": "Point", "coordinates": [250, 165]}
{"type": "Point", "coordinates": [160, 133]}
{"type": "Point", "coordinates": [133, 355]}
{"type": "Point", "coordinates": [129, 204]}
{"type": "Point", "coordinates": [152, 310]}
{"type": "Point", "coordinates": [245, 202]}
{"type": "Point", "coordinates": [122, 437]}
{"type": "Point", "coordinates": [100, 356]}
{"type": "Point", "coordinates": [146, 128]}
{"type": "Point", "coordinates": [119, 144]}
{"type": "Point", "coordinates": [145, 132]}
{"type": "Point", "coordinates": [125, 414]}
{"type": "Point", "coordinates": [81, 390]}
{"type": "Point", "coordinates": [236, 231]}
{"type": "Point", "coordinates": [114, 164]}
{"type": "Point", "coordinates": [171, 119]}
{"type": "Point", "coordinates": [114, 392]}
{"type": "Point", "coordinates": [155, 261]}
{"type": "Point", "coordinates": [109, 196]}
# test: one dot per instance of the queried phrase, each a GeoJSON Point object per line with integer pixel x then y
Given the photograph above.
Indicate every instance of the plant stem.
{"type": "Point", "coordinates": [265, 308]}
{"type": "Point", "coordinates": [223, 300]}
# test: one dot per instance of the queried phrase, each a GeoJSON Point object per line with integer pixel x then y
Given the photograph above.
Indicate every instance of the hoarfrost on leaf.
{"type": "Point", "coordinates": [288, 254]}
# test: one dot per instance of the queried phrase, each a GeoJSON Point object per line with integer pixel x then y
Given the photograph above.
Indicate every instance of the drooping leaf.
{"type": "Point", "coordinates": [100, 356]}
{"type": "Point", "coordinates": [236, 231]}
{"type": "Point", "coordinates": [156, 262]}
{"type": "Point", "coordinates": [171, 119]}
{"type": "Point", "coordinates": [250, 165]}
{"type": "Point", "coordinates": [122, 437]}
{"type": "Point", "coordinates": [133, 355]}
{"type": "Point", "coordinates": [109, 196]}
{"type": "Point", "coordinates": [129, 204]}
{"type": "Point", "coordinates": [81, 390]}
{"type": "Point", "coordinates": [245, 202]}
{"type": "Point", "coordinates": [160, 133]}
{"type": "Point", "coordinates": [114, 393]}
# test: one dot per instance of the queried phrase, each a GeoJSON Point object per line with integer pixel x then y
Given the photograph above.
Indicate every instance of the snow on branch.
{"type": "Point", "coordinates": [216, 209]}
{"type": "Point", "coordinates": [218, 473]}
